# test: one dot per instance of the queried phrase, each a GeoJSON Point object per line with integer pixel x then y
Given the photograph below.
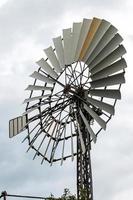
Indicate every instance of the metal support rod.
{"type": "Point", "coordinates": [4, 195]}
{"type": "Point", "coordinates": [84, 173]}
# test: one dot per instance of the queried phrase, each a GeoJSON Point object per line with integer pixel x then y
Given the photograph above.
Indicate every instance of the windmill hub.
{"type": "Point", "coordinates": [80, 91]}
{"type": "Point", "coordinates": [67, 89]}
{"type": "Point", "coordinates": [79, 94]}
{"type": "Point", "coordinates": [75, 91]}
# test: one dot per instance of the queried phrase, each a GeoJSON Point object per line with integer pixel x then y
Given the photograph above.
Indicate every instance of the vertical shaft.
{"type": "Point", "coordinates": [84, 174]}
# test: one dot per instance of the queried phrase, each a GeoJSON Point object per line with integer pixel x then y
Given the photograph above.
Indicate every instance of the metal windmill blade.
{"type": "Point", "coordinates": [73, 96]}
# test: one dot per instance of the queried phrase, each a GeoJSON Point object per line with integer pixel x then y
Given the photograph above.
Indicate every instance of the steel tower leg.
{"type": "Point", "coordinates": [84, 173]}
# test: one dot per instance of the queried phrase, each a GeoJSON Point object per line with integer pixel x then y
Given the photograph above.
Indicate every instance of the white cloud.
{"type": "Point", "coordinates": [3, 2]}
{"type": "Point", "coordinates": [125, 194]}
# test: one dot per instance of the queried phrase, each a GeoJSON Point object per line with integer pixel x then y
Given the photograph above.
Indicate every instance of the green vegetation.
{"type": "Point", "coordinates": [65, 196]}
{"type": "Point", "coordinates": [68, 196]}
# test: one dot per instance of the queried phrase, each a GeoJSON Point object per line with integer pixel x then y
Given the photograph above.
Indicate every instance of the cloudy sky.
{"type": "Point", "coordinates": [27, 27]}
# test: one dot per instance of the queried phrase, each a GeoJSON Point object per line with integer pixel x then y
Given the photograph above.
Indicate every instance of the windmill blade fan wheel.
{"type": "Point", "coordinates": [78, 82]}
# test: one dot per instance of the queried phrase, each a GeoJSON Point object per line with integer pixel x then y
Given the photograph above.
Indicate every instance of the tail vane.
{"type": "Point", "coordinates": [17, 125]}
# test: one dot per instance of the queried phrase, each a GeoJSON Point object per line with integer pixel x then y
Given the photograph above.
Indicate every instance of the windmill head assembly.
{"type": "Point", "coordinates": [73, 96]}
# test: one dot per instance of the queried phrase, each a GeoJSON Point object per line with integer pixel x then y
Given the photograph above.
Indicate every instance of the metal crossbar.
{"type": "Point", "coordinates": [4, 195]}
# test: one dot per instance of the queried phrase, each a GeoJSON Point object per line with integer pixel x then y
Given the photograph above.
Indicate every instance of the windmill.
{"type": "Point", "coordinates": [73, 96]}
